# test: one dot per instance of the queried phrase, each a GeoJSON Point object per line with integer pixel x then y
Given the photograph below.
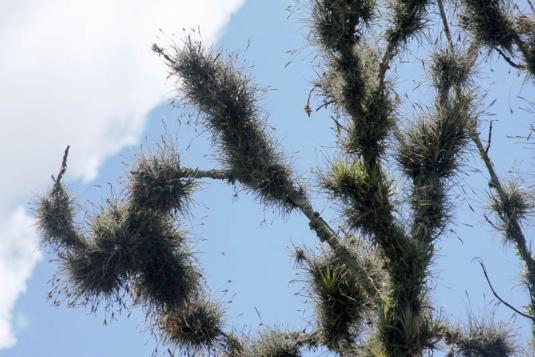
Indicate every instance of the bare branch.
{"type": "Point", "coordinates": [489, 140]}
{"type": "Point", "coordinates": [509, 60]}
{"type": "Point", "coordinates": [445, 23]}
{"type": "Point", "coordinates": [498, 296]}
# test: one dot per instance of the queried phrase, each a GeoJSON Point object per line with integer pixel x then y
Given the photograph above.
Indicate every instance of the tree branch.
{"type": "Point", "coordinates": [322, 229]}
{"type": "Point", "coordinates": [212, 174]}
{"type": "Point", "coordinates": [444, 18]}
{"type": "Point", "coordinates": [385, 63]}
{"type": "Point", "coordinates": [514, 228]}
{"type": "Point", "coordinates": [498, 297]}
{"type": "Point", "coordinates": [509, 60]}
{"type": "Point", "coordinates": [63, 166]}
{"type": "Point", "coordinates": [489, 140]}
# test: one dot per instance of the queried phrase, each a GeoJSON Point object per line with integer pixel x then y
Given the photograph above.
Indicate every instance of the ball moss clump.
{"type": "Point", "coordinates": [103, 267]}
{"type": "Point", "coordinates": [490, 22]}
{"type": "Point", "coordinates": [516, 205]}
{"type": "Point", "coordinates": [167, 279]}
{"type": "Point", "coordinates": [365, 195]}
{"type": "Point", "coordinates": [449, 69]}
{"type": "Point", "coordinates": [341, 301]}
{"type": "Point", "coordinates": [481, 338]}
{"type": "Point", "coordinates": [335, 22]}
{"type": "Point", "coordinates": [111, 235]}
{"type": "Point", "coordinates": [433, 146]}
{"type": "Point", "coordinates": [95, 272]}
{"type": "Point", "coordinates": [275, 344]}
{"type": "Point", "coordinates": [525, 26]}
{"type": "Point", "coordinates": [195, 327]}
{"type": "Point", "coordinates": [157, 183]}
{"type": "Point", "coordinates": [167, 275]}
{"type": "Point", "coordinates": [55, 217]}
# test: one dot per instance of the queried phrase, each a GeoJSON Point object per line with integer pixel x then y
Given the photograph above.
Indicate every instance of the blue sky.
{"type": "Point", "coordinates": [237, 239]}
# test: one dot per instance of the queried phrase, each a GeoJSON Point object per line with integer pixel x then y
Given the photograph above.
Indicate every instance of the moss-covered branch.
{"type": "Point", "coordinates": [503, 202]}
{"type": "Point", "coordinates": [55, 215]}
{"type": "Point", "coordinates": [227, 101]}
{"type": "Point", "coordinates": [322, 229]}
{"type": "Point", "coordinates": [494, 26]}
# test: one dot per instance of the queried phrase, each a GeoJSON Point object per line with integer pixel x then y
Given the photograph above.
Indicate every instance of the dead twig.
{"type": "Point", "coordinates": [532, 318]}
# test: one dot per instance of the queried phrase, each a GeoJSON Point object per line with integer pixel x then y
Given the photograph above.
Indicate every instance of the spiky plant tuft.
{"type": "Point", "coordinates": [408, 17]}
{"type": "Point", "coordinates": [340, 300]}
{"type": "Point", "coordinates": [55, 217]}
{"type": "Point", "coordinates": [156, 183]}
{"type": "Point", "coordinates": [518, 203]}
{"type": "Point", "coordinates": [525, 26]}
{"type": "Point", "coordinates": [93, 273]}
{"type": "Point", "coordinates": [335, 22]}
{"type": "Point", "coordinates": [365, 193]}
{"type": "Point", "coordinates": [481, 338]}
{"type": "Point", "coordinates": [369, 132]}
{"type": "Point", "coordinates": [516, 206]}
{"type": "Point", "coordinates": [195, 327]}
{"type": "Point", "coordinates": [448, 70]}
{"type": "Point", "coordinates": [351, 85]}
{"type": "Point", "coordinates": [104, 265]}
{"type": "Point", "coordinates": [167, 276]}
{"type": "Point", "coordinates": [275, 344]}
{"type": "Point", "coordinates": [490, 22]}
{"type": "Point", "coordinates": [413, 331]}
{"type": "Point", "coordinates": [342, 305]}
{"type": "Point", "coordinates": [434, 145]}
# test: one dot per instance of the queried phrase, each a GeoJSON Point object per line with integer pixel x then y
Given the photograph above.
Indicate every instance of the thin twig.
{"type": "Point", "coordinates": [326, 104]}
{"type": "Point", "coordinates": [63, 166]}
{"type": "Point", "coordinates": [160, 51]}
{"type": "Point", "coordinates": [308, 109]}
{"type": "Point", "coordinates": [445, 23]}
{"type": "Point", "coordinates": [492, 223]}
{"type": "Point", "coordinates": [489, 140]}
{"type": "Point", "coordinates": [509, 60]}
{"type": "Point", "coordinates": [498, 296]}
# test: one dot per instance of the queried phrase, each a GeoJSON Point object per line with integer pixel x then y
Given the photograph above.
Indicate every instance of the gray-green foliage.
{"type": "Point", "coordinates": [227, 101]}
{"type": "Point", "coordinates": [480, 338]}
{"type": "Point", "coordinates": [134, 250]}
{"type": "Point", "coordinates": [497, 25]}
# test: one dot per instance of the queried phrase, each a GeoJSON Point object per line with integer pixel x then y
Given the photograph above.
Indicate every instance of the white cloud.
{"type": "Point", "coordinates": [80, 73]}
{"type": "Point", "coordinates": [18, 255]}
